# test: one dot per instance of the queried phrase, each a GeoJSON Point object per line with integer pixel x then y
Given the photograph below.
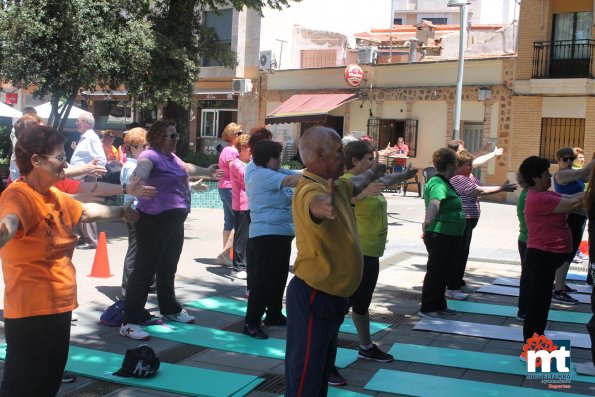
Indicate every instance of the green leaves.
{"type": "Point", "coordinates": [151, 47]}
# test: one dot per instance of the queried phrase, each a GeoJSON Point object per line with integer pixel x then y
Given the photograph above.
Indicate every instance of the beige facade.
{"type": "Point", "coordinates": [422, 92]}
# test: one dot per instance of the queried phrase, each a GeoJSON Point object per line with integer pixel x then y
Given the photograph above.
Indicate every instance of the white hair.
{"type": "Point", "coordinates": [348, 138]}
{"type": "Point", "coordinates": [89, 119]}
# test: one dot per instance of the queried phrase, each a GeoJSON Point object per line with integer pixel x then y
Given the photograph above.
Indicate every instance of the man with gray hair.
{"type": "Point", "coordinates": [88, 149]}
{"type": "Point", "coordinates": [329, 263]}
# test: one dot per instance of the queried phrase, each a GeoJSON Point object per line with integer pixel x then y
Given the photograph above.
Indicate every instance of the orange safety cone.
{"type": "Point", "coordinates": [584, 247]}
{"type": "Point", "coordinates": [231, 254]}
{"type": "Point", "coordinates": [101, 263]}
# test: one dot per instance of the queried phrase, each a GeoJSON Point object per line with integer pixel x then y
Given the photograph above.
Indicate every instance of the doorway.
{"type": "Point", "coordinates": [473, 137]}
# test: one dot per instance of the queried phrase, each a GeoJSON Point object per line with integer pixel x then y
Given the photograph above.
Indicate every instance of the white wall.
{"type": "Point", "coordinates": [341, 16]}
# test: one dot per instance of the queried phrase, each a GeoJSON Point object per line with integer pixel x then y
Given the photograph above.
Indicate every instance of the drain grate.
{"type": "Point", "coordinates": [95, 389]}
{"type": "Point", "coordinates": [391, 318]}
{"type": "Point", "coordinates": [272, 384]}
{"type": "Point", "coordinates": [577, 267]}
{"type": "Point", "coordinates": [474, 259]}
{"type": "Point", "coordinates": [347, 344]}
{"type": "Point", "coordinates": [179, 353]}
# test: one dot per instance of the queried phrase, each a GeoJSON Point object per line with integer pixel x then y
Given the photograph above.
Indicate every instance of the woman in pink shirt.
{"type": "Point", "coordinates": [239, 205]}
{"type": "Point", "coordinates": [229, 153]}
{"type": "Point", "coordinates": [549, 241]}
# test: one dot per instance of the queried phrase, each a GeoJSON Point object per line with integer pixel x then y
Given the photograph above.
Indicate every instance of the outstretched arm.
{"type": "Point", "coordinates": [487, 157]}
{"type": "Point", "coordinates": [93, 212]}
{"type": "Point", "coordinates": [92, 168]}
{"type": "Point", "coordinates": [9, 225]}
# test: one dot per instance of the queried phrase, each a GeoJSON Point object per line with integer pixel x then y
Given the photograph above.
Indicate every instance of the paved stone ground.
{"type": "Point", "coordinates": [493, 254]}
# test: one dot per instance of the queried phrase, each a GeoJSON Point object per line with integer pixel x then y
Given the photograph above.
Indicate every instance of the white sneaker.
{"type": "Point", "coordinates": [181, 317]}
{"type": "Point", "coordinates": [224, 259]}
{"type": "Point", "coordinates": [134, 331]}
{"type": "Point", "coordinates": [430, 315]}
{"type": "Point", "coordinates": [467, 290]}
{"type": "Point", "coordinates": [242, 275]}
{"type": "Point", "coordinates": [456, 294]}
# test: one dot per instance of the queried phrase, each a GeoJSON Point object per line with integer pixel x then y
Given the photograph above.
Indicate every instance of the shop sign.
{"type": "Point", "coordinates": [12, 98]}
{"type": "Point", "coordinates": [354, 75]}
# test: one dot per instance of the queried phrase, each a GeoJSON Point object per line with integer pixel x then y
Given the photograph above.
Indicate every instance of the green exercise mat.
{"type": "Point", "coordinates": [511, 311]}
{"type": "Point", "coordinates": [234, 342]}
{"type": "Point", "coordinates": [466, 359]}
{"type": "Point", "coordinates": [412, 384]}
{"type": "Point", "coordinates": [170, 378]}
{"type": "Point", "coordinates": [238, 308]}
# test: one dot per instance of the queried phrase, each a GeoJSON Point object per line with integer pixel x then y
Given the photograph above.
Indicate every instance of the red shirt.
{"type": "Point", "coordinates": [547, 231]}
{"type": "Point", "coordinates": [70, 186]}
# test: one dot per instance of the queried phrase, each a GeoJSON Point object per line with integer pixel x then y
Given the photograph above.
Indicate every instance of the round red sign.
{"type": "Point", "coordinates": [354, 75]}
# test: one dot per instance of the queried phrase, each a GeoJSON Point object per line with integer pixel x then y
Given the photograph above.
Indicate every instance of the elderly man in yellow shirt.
{"type": "Point", "coordinates": [328, 267]}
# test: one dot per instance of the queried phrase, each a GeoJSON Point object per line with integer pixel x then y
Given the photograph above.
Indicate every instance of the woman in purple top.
{"type": "Point", "coordinates": [229, 153]}
{"type": "Point", "coordinates": [160, 229]}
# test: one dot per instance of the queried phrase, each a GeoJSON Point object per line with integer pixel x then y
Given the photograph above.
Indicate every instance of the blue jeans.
{"type": "Point", "coordinates": [225, 195]}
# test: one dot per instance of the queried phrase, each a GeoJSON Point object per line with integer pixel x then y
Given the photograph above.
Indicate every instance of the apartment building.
{"type": "Point", "coordinates": [553, 104]}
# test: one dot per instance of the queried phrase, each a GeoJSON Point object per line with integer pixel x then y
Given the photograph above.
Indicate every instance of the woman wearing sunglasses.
{"type": "Point", "coordinates": [160, 228]}
{"type": "Point", "coordinates": [569, 181]}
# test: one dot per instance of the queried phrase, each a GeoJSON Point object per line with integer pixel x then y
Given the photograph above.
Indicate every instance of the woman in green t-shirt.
{"type": "Point", "coordinates": [442, 229]}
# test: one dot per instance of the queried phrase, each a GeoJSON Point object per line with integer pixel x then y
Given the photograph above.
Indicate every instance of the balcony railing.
{"type": "Point", "coordinates": [563, 59]}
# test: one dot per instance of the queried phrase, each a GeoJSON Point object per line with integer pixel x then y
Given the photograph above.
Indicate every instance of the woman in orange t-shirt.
{"type": "Point", "coordinates": [37, 243]}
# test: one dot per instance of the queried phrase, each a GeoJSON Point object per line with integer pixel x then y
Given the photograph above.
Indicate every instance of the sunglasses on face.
{"type": "Point", "coordinates": [172, 136]}
{"type": "Point", "coordinates": [567, 159]}
{"type": "Point", "coordinates": [239, 133]}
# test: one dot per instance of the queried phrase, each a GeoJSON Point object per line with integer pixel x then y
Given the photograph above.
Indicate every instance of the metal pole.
{"type": "Point", "coordinates": [459, 93]}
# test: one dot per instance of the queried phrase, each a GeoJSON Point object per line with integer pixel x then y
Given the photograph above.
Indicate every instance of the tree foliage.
{"type": "Point", "coordinates": [66, 46]}
{"type": "Point", "coordinates": [152, 47]}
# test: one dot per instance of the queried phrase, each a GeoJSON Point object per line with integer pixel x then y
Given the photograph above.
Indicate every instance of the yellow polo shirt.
{"type": "Point", "coordinates": [329, 255]}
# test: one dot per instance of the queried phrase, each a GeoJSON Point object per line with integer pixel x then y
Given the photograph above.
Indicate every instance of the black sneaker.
{"type": "Point", "coordinates": [255, 332]}
{"type": "Point", "coordinates": [568, 290]}
{"type": "Point", "coordinates": [521, 316]}
{"type": "Point", "coordinates": [68, 377]}
{"type": "Point", "coordinates": [563, 297]}
{"type": "Point", "coordinates": [335, 378]}
{"type": "Point", "coordinates": [374, 354]}
{"type": "Point", "coordinates": [281, 320]}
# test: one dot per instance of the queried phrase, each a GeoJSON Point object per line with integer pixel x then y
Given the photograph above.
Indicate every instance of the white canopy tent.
{"type": "Point", "coordinates": [7, 111]}
{"type": "Point", "coordinates": [45, 109]}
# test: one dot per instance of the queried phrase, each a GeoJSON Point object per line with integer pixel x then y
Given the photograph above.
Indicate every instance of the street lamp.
{"type": "Point", "coordinates": [462, 4]}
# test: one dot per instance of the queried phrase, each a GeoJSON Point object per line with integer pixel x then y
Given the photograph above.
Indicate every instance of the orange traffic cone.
{"type": "Point", "coordinates": [101, 263]}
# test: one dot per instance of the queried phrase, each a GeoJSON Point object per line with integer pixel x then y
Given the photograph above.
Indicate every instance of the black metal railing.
{"type": "Point", "coordinates": [563, 59]}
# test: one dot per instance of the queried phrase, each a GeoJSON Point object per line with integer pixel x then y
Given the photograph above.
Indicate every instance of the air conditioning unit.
{"type": "Point", "coordinates": [241, 86]}
{"type": "Point", "coordinates": [367, 55]}
{"type": "Point", "coordinates": [264, 62]}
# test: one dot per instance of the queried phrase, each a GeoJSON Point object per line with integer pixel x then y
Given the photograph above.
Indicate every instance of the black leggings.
{"type": "Point", "coordinates": [160, 239]}
{"type": "Point", "coordinates": [269, 276]}
{"type": "Point", "coordinates": [36, 354]}
{"type": "Point", "coordinates": [542, 268]}
{"type": "Point", "coordinates": [362, 297]}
